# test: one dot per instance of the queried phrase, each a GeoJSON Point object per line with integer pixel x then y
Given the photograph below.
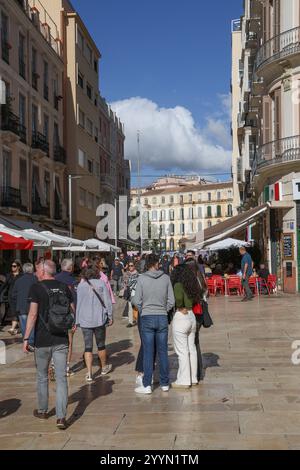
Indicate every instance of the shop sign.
{"type": "Point", "coordinates": [296, 190]}
{"type": "Point", "coordinates": [288, 246]}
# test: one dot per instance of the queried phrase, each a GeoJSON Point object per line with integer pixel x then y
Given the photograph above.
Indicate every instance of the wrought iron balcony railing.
{"type": "Point", "coordinates": [279, 47]}
{"type": "Point", "coordinates": [11, 197]}
{"type": "Point", "coordinates": [39, 141]}
{"type": "Point", "coordinates": [59, 154]}
{"type": "Point", "coordinates": [279, 151]}
{"type": "Point", "coordinates": [10, 122]}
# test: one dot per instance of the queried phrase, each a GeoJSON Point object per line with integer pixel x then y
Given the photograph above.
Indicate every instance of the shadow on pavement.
{"type": "Point", "coordinates": [210, 360]}
{"type": "Point", "coordinates": [9, 407]}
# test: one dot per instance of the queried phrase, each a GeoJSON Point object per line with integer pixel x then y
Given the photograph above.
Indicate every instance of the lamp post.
{"type": "Point", "coordinates": [70, 178]}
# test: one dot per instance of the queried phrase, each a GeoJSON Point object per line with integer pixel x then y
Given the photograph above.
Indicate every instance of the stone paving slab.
{"type": "Point", "coordinates": [248, 400]}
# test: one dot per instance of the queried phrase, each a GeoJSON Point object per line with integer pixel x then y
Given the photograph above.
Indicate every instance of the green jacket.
{"type": "Point", "coordinates": [181, 298]}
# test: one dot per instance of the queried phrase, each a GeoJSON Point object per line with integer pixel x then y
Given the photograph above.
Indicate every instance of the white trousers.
{"type": "Point", "coordinates": [184, 330]}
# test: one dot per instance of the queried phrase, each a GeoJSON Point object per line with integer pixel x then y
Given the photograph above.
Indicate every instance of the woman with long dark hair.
{"type": "Point", "coordinates": [198, 315]}
{"type": "Point", "coordinates": [7, 290]}
{"type": "Point", "coordinates": [187, 295]}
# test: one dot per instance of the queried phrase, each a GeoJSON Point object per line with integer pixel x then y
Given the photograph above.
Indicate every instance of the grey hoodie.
{"type": "Point", "coordinates": [154, 294]}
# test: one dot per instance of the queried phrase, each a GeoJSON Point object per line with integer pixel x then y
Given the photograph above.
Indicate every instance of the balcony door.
{"type": "Point", "coordinates": [22, 110]}
{"type": "Point", "coordinates": [6, 178]}
{"type": "Point", "coordinates": [23, 183]}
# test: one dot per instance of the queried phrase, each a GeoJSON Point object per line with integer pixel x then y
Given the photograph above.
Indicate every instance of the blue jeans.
{"type": "Point", "coordinates": [43, 357]}
{"type": "Point", "coordinates": [154, 329]}
{"type": "Point", "coordinates": [23, 320]}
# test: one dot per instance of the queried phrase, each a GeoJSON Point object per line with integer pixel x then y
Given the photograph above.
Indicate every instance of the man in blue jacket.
{"type": "Point", "coordinates": [247, 271]}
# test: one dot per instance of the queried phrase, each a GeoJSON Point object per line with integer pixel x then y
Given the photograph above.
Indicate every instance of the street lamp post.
{"type": "Point", "coordinates": [70, 178]}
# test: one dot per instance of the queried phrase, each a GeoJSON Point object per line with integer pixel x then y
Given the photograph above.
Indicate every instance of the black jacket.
{"type": "Point", "coordinates": [20, 293]}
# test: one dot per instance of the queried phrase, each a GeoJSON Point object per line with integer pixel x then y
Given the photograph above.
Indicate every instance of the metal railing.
{"type": "Point", "coordinates": [10, 197]}
{"type": "Point", "coordinates": [11, 123]}
{"type": "Point", "coordinates": [278, 151]}
{"type": "Point", "coordinates": [283, 45]}
{"type": "Point", "coordinates": [59, 154]}
{"type": "Point", "coordinates": [39, 141]}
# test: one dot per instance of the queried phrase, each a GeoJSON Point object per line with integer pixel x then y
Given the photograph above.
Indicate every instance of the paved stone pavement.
{"type": "Point", "coordinates": [249, 399]}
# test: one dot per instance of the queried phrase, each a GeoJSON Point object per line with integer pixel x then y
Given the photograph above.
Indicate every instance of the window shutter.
{"type": "Point", "coordinates": [267, 119]}
{"type": "Point", "coordinates": [278, 114]}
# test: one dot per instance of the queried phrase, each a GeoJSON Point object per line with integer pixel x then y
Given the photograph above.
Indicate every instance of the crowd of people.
{"type": "Point", "coordinates": [161, 294]}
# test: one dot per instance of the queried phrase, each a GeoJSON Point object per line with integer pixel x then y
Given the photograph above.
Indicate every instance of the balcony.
{"type": "Point", "coordinates": [39, 142]}
{"type": "Point", "coordinates": [11, 198]}
{"type": "Point", "coordinates": [278, 51]}
{"type": "Point", "coordinates": [38, 209]}
{"type": "Point", "coordinates": [277, 157]}
{"type": "Point", "coordinates": [107, 182]}
{"type": "Point", "coordinates": [59, 154]}
{"type": "Point", "coordinates": [11, 123]}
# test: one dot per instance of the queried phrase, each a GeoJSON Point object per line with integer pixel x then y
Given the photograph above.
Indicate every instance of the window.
{"type": "Point", "coordinates": [47, 188]}
{"type": "Point", "coordinates": [90, 201]}
{"type": "Point", "coordinates": [80, 80]}
{"type": "Point", "coordinates": [230, 194]}
{"type": "Point", "coordinates": [96, 134]}
{"type": "Point", "coordinates": [171, 199]}
{"type": "Point", "coordinates": [209, 196]}
{"type": "Point", "coordinates": [34, 119]}
{"type": "Point", "coordinates": [191, 213]}
{"type": "Point", "coordinates": [81, 158]}
{"type": "Point", "coordinates": [172, 214]}
{"type": "Point", "coordinates": [154, 216]}
{"type": "Point", "coordinates": [23, 184]}
{"type": "Point", "coordinates": [146, 202]}
{"type": "Point", "coordinates": [190, 198]}
{"type": "Point", "coordinates": [89, 126]}
{"type": "Point", "coordinates": [200, 213]}
{"type": "Point", "coordinates": [97, 169]}
{"type": "Point", "coordinates": [219, 211]}
{"type": "Point", "coordinates": [90, 166]}
{"type": "Point", "coordinates": [199, 197]}
{"type": "Point", "coordinates": [6, 178]}
{"type": "Point", "coordinates": [229, 211]}
{"type": "Point", "coordinates": [171, 230]}
{"type": "Point", "coordinates": [22, 66]}
{"type": "Point", "coordinates": [80, 40]}
{"type": "Point", "coordinates": [182, 229]}
{"type": "Point", "coordinates": [82, 197]}
{"type": "Point", "coordinates": [34, 78]}
{"type": "Point", "coordinates": [172, 245]}
{"type": "Point", "coordinates": [56, 140]}
{"type": "Point", "coordinates": [46, 80]}
{"type": "Point", "coordinates": [219, 195]}
{"type": "Point", "coordinates": [56, 96]}
{"type": "Point", "coordinates": [46, 127]}
{"type": "Point", "coordinates": [154, 200]}
{"type": "Point", "coordinates": [181, 212]}
{"type": "Point", "coordinates": [22, 110]}
{"type": "Point", "coordinates": [190, 228]}
{"type": "Point", "coordinates": [81, 119]}
{"type": "Point", "coordinates": [162, 231]}
{"type": "Point", "coordinates": [89, 54]}
{"type": "Point", "coordinates": [163, 215]}
{"type": "Point", "coordinates": [181, 199]}
{"type": "Point", "coordinates": [89, 91]}
{"type": "Point", "coordinates": [209, 212]}
{"type": "Point", "coordinates": [163, 200]}
{"type": "Point", "coordinates": [96, 66]}
{"type": "Point", "coordinates": [4, 38]}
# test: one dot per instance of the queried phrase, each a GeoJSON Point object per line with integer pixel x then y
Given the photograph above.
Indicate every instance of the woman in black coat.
{"type": "Point", "coordinates": [6, 293]}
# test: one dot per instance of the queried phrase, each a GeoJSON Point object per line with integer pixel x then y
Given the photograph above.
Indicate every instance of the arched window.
{"type": "Point", "coordinates": [219, 211]}
{"type": "Point", "coordinates": [171, 214]}
{"type": "Point", "coordinates": [171, 230]}
{"type": "Point", "coordinates": [209, 211]}
{"type": "Point", "coordinates": [229, 210]}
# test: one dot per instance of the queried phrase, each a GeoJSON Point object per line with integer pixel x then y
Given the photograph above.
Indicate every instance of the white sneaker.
{"type": "Point", "coordinates": [165, 388]}
{"type": "Point", "coordinates": [88, 378]}
{"type": "Point", "coordinates": [143, 390]}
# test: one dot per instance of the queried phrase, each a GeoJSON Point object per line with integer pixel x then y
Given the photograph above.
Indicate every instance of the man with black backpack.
{"type": "Point", "coordinates": [51, 314]}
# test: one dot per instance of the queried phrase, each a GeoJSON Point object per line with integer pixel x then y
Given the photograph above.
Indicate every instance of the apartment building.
{"type": "Point", "coordinates": [94, 135]}
{"type": "Point", "coordinates": [32, 139]}
{"type": "Point", "coordinates": [269, 129]}
{"type": "Point", "coordinates": [181, 211]}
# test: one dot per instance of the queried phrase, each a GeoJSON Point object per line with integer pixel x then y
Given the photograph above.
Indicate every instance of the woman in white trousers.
{"type": "Point", "coordinates": [187, 294]}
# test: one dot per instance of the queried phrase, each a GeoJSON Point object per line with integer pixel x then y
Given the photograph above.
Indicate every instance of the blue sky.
{"type": "Point", "coordinates": [174, 55]}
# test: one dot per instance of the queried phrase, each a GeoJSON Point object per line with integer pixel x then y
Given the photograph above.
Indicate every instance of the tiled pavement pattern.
{"type": "Point", "coordinates": [250, 398]}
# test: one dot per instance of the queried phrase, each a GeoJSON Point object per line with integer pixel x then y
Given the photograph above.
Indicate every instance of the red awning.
{"type": "Point", "coordinates": [8, 242]}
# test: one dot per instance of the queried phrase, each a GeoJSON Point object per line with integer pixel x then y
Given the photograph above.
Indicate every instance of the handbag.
{"type": "Point", "coordinates": [207, 320]}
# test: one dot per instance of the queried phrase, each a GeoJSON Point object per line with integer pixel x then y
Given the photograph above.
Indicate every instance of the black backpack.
{"type": "Point", "coordinates": [60, 318]}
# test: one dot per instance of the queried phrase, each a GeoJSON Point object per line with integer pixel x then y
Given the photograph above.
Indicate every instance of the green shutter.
{"type": "Point", "coordinates": [267, 194]}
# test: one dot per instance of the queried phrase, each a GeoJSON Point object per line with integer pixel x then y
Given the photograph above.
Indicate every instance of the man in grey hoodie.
{"type": "Point", "coordinates": [154, 297]}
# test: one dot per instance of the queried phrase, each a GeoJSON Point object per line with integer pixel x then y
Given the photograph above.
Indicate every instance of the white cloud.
{"type": "Point", "coordinates": [170, 139]}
